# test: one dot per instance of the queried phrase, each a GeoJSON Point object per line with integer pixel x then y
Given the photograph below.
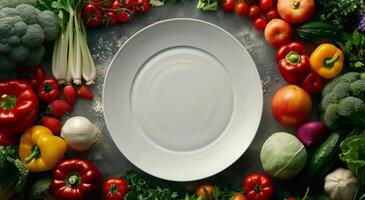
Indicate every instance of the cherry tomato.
{"type": "Point", "coordinates": [131, 5]}
{"type": "Point", "coordinates": [92, 15]}
{"type": "Point", "coordinates": [260, 23]}
{"type": "Point", "coordinates": [228, 5]}
{"type": "Point", "coordinates": [254, 12]}
{"type": "Point", "coordinates": [112, 18]}
{"type": "Point", "coordinates": [142, 6]}
{"type": "Point", "coordinates": [258, 187]}
{"type": "Point", "coordinates": [123, 16]}
{"type": "Point", "coordinates": [115, 189]}
{"type": "Point", "coordinates": [266, 5]}
{"type": "Point", "coordinates": [250, 2]}
{"type": "Point", "coordinates": [238, 196]}
{"type": "Point", "coordinates": [291, 105]}
{"type": "Point", "coordinates": [241, 8]}
{"type": "Point", "coordinates": [272, 14]}
{"type": "Point", "coordinates": [116, 5]}
{"type": "Point", "coordinates": [102, 3]}
{"type": "Point", "coordinates": [205, 190]}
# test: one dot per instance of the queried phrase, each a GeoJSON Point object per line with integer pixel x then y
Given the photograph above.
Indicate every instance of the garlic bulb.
{"type": "Point", "coordinates": [79, 133]}
{"type": "Point", "coordinates": [341, 184]}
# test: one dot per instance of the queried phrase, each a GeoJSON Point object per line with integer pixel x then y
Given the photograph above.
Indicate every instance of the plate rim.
{"type": "Point", "coordinates": [261, 95]}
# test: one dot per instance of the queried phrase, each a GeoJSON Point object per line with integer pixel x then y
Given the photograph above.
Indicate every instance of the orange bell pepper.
{"type": "Point", "coordinates": [327, 61]}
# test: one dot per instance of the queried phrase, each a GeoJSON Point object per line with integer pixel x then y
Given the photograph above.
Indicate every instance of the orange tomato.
{"type": "Point", "coordinates": [238, 196]}
{"type": "Point", "coordinates": [204, 189]}
{"type": "Point", "coordinates": [291, 105]}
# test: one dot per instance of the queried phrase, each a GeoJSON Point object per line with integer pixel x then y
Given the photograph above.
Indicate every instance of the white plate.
{"type": "Point", "coordinates": [182, 99]}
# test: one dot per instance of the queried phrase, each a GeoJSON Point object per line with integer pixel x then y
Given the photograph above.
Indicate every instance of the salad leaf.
{"type": "Point", "coordinates": [207, 4]}
{"type": "Point", "coordinates": [353, 154]}
{"type": "Point", "coordinates": [354, 49]}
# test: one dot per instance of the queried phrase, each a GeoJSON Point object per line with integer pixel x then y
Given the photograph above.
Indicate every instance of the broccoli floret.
{"type": "Point", "coordinates": [49, 22]}
{"type": "Point", "coordinates": [34, 36]}
{"type": "Point", "coordinates": [6, 24]}
{"type": "Point", "coordinates": [20, 54]}
{"type": "Point", "coordinates": [35, 56]}
{"type": "Point", "coordinates": [28, 13]}
{"type": "Point", "coordinates": [14, 3]}
{"type": "Point", "coordinates": [19, 29]}
{"type": "Point", "coordinates": [14, 40]}
{"type": "Point", "coordinates": [330, 116]}
{"type": "Point", "coordinates": [342, 102]}
{"type": "Point", "coordinates": [8, 12]}
{"type": "Point", "coordinates": [358, 88]}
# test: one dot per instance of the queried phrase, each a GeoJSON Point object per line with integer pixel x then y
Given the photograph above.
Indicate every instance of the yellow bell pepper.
{"type": "Point", "coordinates": [40, 150]}
{"type": "Point", "coordinates": [327, 61]}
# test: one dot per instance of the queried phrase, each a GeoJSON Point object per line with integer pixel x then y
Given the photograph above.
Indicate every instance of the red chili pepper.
{"type": "Point", "coordinates": [258, 187]}
{"type": "Point", "coordinates": [313, 83]}
{"type": "Point", "coordinates": [115, 189]}
{"type": "Point", "coordinates": [293, 63]}
{"type": "Point", "coordinates": [74, 179]}
{"type": "Point", "coordinates": [35, 75]}
{"type": "Point", "coordinates": [48, 90]}
{"type": "Point", "coordinates": [18, 106]}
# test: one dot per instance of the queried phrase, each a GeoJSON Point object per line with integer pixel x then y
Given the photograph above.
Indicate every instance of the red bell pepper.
{"type": "Point", "coordinates": [258, 187]}
{"type": "Point", "coordinates": [293, 63]}
{"type": "Point", "coordinates": [48, 90]}
{"type": "Point", "coordinates": [313, 83]}
{"type": "Point", "coordinates": [115, 189]}
{"type": "Point", "coordinates": [6, 139]}
{"type": "Point", "coordinates": [74, 179]}
{"type": "Point", "coordinates": [18, 106]}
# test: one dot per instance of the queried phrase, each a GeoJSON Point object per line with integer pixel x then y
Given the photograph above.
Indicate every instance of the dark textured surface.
{"type": "Point", "coordinates": [105, 42]}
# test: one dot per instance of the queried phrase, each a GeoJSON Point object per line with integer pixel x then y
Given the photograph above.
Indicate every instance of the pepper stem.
{"type": "Point", "coordinates": [73, 179]}
{"type": "Point", "coordinates": [7, 102]}
{"type": "Point", "coordinates": [47, 87]}
{"type": "Point", "coordinates": [329, 62]}
{"type": "Point", "coordinates": [293, 57]}
{"type": "Point", "coordinates": [114, 189]}
{"type": "Point", "coordinates": [36, 153]}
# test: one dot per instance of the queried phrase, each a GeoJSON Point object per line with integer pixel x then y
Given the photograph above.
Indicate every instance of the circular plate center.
{"type": "Point", "coordinates": [182, 98]}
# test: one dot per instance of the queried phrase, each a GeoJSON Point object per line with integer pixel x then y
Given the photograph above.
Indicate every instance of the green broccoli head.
{"type": "Point", "coordinates": [28, 13]}
{"type": "Point", "coordinates": [8, 12]}
{"type": "Point", "coordinates": [19, 54]}
{"type": "Point", "coordinates": [48, 20]}
{"type": "Point", "coordinates": [6, 64]}
{"type": "Point", "coordinates": [33, 37]}
{"type": "Point", "coordinates": [342, 101]}
{"type": "Point", "coordinates": [35, 56]}
{"type": "Point", "coordinates": [14, 3]}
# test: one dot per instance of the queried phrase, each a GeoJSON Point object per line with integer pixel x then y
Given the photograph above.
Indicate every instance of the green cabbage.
{"type": "Point", "coordinates": [283, 155]}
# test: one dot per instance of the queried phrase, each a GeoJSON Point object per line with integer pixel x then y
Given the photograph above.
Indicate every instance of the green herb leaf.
{"type": "Point", "coordinates": [42, 185]}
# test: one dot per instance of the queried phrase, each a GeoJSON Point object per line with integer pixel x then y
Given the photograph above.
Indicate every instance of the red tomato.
{"type": "Point", "coordinates": [272, 14]}
{"type": "Point", "coordinates": [238, 196]}
{"type": "Point", "coordinates": [112, 18]}
{"type": "Point", "coordinates": [228, 5]}
{"type": "Point", "coordinates": [296, 12]}
{"type": "Point", "coordinates": [142, 6]}
{"type": "Point", "coordinates": [204, 189]}
{"type": "Point", "coordinates": [123, 16]}
{"type": "Point", "coordinates": [116, 5]}
{"type": "Point", "coordinates": [102, 3]}
{"type": "Point", "coordinates": [92, 15]}
{"type": "Point", "coordinates": [278, 32]}
{"type": "Point", "coordinates": [266, 5]}
{"type": "Point", "coordinates": [254, 12]}
{"type": "Point", "coordinates": [131, 5]}
{"type": "Point", "coordinates": [258, 187]}
{"type": "Point", "coordinates": [291, 105]}
{"type": "Point", "coordinates": [260, 23]}
{"type": "Point", "coordinates": [115, 189]}
{"type": "Point", "coordinates": [241, 8]}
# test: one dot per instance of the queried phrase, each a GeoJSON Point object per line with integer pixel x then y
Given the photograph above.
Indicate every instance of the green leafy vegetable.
{"type": "Point", "coordinates": [354, 49]}
{"type": "Point", "coordinates": [13, 174]}
{"type": "Point", "coordinates": [41, 189]}
{"type": "Point", "coordinates": [157, 3]}
{"type": "Point", "coordinates": [207, 4]}
{"type": "Point", "coordinates": [353, 154]}
{"type": "Point", "coordinates": [138, 189]}
{"type": "Point", "coordinates": [341, 13]}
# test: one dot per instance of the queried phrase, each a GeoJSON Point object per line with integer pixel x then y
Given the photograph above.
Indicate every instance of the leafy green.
{"type": "Point", "coordinates": [138, 189]}
{"type": "Point", "coordinates": [208, 4]}
{"type": "Point", "coordinates": [354, 49]}
{"type": "Point", "coordinates": [353, 154]}
{"type": "Point", "coordinates": [41, 189]}
{"type": "Point", "coordinates": [157, 3]}
{"type": "Point", "coordinates": [14, 173]}
{"type": "Point", "coordinates": [340, 13]}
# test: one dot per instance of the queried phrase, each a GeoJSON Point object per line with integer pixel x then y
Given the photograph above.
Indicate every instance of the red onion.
{"type": "Point", "coordinates": [312, 133]}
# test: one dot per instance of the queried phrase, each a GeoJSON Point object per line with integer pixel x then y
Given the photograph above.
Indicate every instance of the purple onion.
{"type": "Point", "coordinates": [312, 133]}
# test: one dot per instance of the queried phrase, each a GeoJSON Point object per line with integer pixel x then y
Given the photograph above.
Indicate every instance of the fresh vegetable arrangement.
{"type": "Point", "coordinates": [35, 138]}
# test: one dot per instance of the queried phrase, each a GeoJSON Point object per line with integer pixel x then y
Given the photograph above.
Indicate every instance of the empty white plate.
{"type": "Point", "coordinates": [182, 99]}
